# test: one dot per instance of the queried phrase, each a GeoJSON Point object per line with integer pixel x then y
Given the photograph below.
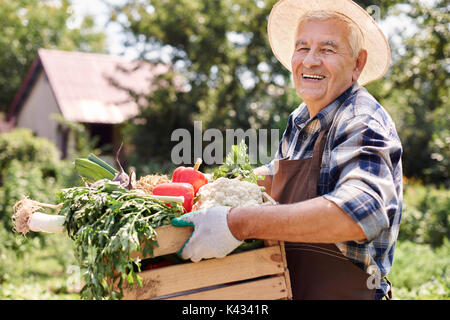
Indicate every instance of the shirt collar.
{"type": "Point", "coordinates": [326, 115]}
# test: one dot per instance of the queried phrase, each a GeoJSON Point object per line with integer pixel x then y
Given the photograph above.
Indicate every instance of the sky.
{"type": "Point", "coordinates": [99, 11]}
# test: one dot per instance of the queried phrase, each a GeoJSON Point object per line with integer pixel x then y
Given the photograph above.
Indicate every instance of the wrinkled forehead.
{"type": "Point", "coordinates": [324, 15]}
{"type": "Point", "coordinates": [330, 30]}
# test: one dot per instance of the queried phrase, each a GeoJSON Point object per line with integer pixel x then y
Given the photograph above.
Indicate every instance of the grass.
{"type": "Point", "coordinates": [41, 273]}
{"type": "Point", "coordinates": [420, 272]}
{"type": "Point", "coordinates": [50, 272]}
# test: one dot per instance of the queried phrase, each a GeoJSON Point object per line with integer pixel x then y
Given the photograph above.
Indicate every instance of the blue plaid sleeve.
{"type": "Point", "coordinates": [362, 164]}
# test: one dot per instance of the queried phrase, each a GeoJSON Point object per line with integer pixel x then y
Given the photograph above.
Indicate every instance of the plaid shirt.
{"type": "Point", "coordinates": [361, 171]}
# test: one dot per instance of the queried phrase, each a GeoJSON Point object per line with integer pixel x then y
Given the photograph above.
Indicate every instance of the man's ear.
{"type": "Point", "coordinates": [359, 65]}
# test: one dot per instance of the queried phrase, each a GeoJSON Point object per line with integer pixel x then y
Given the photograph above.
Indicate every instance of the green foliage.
{"type": "Point", "coordinates": [417, 91]}
{"type": "Point", "coordinates": [232, 80]}
{"type": "Point", "coordinates": [219, 50]}
{"type": "Point", "coordinates": [237, 165]}
{"type": "Point", "coordinates": [28, 25]}
{"type": "Point", "coordinates": [21, 145]}
{"type": "Point", "coordinates": [24, 179]}
{"type": "Point", "coordinates": [107, 224]}
{"type": "Point", "coordinates": [36, 272]}
{"type": "Point", "coordinates": [425, 216]}
{"type": "Point", "coordinates": [419, 272]}
{"type": "Point", "coordinates": [29, 166]}
{"type": "Point", "coordinates": [7, 256]}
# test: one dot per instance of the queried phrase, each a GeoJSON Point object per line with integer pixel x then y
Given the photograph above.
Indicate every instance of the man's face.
{"type": "Point", "coordinates": [322, 63]}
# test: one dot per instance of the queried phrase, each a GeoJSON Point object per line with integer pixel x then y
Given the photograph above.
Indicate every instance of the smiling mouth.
{"type": "Point", "coordinates": [312, 76]}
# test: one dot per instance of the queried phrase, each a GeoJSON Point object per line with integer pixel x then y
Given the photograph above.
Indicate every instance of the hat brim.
{"type": "Point", "coordinates": [284, 19]}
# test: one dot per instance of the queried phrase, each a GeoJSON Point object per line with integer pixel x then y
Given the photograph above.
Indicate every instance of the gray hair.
{"type": "Point", "coordinates": [356, 38]}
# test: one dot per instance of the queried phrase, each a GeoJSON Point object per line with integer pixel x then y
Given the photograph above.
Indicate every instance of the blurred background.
{"type": "Point", "coordinates": [84, 76]}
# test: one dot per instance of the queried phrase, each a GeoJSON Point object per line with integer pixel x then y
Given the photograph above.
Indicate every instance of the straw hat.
{"type": "Point", "coordinates": [284, 19]}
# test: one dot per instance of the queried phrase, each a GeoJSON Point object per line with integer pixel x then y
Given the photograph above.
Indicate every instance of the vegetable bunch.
{"type": "Point", "coordinates": [109, 218]}
{"type": "Point", "coordinates": [237, 165]}
{"type": "Point", "coordinates": [107, 224]}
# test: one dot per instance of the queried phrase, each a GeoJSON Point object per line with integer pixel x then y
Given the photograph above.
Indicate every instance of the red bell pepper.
{"type": "Point", "coordinates": [177, 189]}
{"type": "Point", "coordinates": [190, 175]}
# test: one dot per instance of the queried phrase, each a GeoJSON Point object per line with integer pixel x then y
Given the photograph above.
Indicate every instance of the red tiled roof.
{"type": "Point", "coordinates": [84, 93]}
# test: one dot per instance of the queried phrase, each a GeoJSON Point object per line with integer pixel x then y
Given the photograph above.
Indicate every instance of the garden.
{"type": "Point", "coordinates": [230, 80]}
{"type": "Point", "coordinates": [43, 266]}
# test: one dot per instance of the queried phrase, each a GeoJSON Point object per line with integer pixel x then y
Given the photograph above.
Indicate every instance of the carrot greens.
{"type": "Point", "coordinates": [107, 223]}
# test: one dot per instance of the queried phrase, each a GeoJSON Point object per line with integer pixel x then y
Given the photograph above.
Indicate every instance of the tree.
{"type": "Point", "coordinates": [417, 90]}
{"type": "Point", "coordinates": [28, 25]}
{"type": "Point", "coordinates": [233, 80]}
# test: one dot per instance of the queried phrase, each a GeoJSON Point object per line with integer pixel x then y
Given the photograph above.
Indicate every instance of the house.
{"type": "Point", "coordinates": [88, 88]}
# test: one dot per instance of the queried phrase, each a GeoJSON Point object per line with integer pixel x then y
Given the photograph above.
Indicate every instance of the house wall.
{"type": "Point", "coordinates": [36, 111]}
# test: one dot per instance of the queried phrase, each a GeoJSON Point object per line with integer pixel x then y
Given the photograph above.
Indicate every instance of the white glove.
{"type": "Point", "coordinates": [211, 237]}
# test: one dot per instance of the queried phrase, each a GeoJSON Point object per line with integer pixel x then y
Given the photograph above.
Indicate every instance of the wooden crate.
{"type": "Point", "coordinates": [259, 274]}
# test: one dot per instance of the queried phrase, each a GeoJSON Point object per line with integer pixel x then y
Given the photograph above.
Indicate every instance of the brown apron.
{"type": "Point", "coordinates": [317, 271]}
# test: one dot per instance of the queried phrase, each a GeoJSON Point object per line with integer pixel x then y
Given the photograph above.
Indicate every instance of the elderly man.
{"type": "Point", "coordinates": [337, 175]}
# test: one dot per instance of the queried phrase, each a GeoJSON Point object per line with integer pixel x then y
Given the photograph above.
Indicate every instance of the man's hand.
{"type": "Point", "coordinates": [211, 237]}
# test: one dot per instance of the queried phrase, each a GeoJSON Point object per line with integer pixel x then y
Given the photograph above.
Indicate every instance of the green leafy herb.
{"type": "Point", "coordinates": [237, 164]}
{"type": "Point", "coordinates": [107, 224]}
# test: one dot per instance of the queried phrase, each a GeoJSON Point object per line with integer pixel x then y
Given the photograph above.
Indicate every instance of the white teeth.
{"type": "Point", "coordinates": [313, 76]}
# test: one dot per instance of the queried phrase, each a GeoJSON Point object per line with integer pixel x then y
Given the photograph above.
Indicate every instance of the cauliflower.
{"type": "Point", "coordinates": [229, 192]}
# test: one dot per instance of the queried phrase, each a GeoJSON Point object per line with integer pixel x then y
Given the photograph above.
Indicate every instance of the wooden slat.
{"type": "Point", "coordinates": [189, 276]}
{"type": "Point", "coordinates": [170, 240]}
{"type": "Point", "coordinates": [269, 243]}
{"type": "Point", "coordinates": [287, 277]}
{"type": "Point", "coordinates": [272, 288]}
